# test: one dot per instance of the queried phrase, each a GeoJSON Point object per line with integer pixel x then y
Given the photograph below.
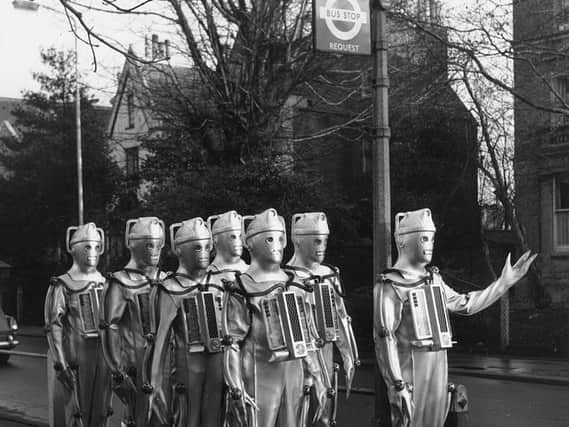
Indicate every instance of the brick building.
{"type": "Point", "coordinates": [433, 134]}
{"type": "Point", "coordinates": [433, 143]}
{"type": "Point", "coordinates": [142, 95]}
{"type": "Point", "coordinates": [541, 164]}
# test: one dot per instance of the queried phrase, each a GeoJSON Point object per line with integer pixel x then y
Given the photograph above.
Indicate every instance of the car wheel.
{"type": "Point", "coordinates": [4, 358]}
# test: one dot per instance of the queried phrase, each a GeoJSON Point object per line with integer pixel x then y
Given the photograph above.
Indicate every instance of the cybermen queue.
{"type": "Point", "coordinates": [210, 345]}
{"type": "Point", "coordinates": [230, 344]}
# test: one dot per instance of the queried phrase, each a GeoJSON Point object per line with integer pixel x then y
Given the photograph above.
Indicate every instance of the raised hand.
{"type": "Point", "coordinates": [512, 274]}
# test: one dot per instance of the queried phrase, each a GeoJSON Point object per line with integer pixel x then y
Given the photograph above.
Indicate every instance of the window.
{"type": "Point", "coordinates": [561, 212]}
{"type": "Point", "coordinates": [132, 162]}
{"type": "Point", "coordinates": [563, 15]}
{"type": "Point", "coordinates": [130, 110]}
{"type": "Point", "coordinates": [560, 85]}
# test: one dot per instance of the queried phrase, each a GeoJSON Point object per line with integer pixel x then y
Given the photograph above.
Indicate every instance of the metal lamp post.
{"type": "Point", "coordinates": [33, 6]}
{"type": "Point", "coordinates": [79, 152]}
{"type": "Point", "coordinates": [380, 153]}
{"type": "Point", "coordinates": [381, 181]}
{"type": "Point", "coordinates": [330, 38]}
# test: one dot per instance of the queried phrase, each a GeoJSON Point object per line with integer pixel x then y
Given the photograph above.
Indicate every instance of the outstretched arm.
{"type": "Point", "coordinates": [473, 302]}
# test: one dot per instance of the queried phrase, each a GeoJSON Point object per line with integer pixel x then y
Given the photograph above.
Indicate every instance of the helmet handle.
{"type": "Point", "coordinates": [163, 224]}
{"type": "Point", "coordinates": [102, 234]}
{"type": "Point", "coordinates": [173, 229]}
{"type": "Point", "coordinates": [295, 218]}
{"type": "Point", "coordinates": [68, 237]}
{"type": "Point", "coordinates": [283, 222]}
{"type": "Point", "coordinates": [244, 227]}
{"type": "Point", "coordinates": [398, 218]}
{"type": "Point", "coordinates": [129, 224]}
{"type": "Point", "coordinates": [211, 219]}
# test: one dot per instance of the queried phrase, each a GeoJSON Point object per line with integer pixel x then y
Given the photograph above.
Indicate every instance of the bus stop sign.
{"type": "Point", "coordinates": [342, 26]}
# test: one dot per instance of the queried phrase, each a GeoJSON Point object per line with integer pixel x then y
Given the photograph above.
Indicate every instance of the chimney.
{"type": "Point", "coordinates": [155, 46]}
{"type": "Point", "coordinates": [156, 50]}
{"type": "Point", "coordinates": [147, 47]}
{"type": "Point", "coordinates": [435, 11]}
{"type": "Point", "coordinates": [167, 48]}
{"type": "Point", "coordinates": [422, 10]}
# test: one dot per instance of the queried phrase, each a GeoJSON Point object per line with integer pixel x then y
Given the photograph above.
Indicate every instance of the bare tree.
{"type": "Point", "coordinates": [253, 58]}
{"type": "Point", "coordinates": [249, 56]}
{"type": "Point", "coordinates": [481, 34]}
{"type": "Point", "coordinates": [484, 47]}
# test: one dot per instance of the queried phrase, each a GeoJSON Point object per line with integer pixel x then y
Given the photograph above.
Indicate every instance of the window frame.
{"type": "Point", "coordinates": [559, 83]}
{"type": "Point", "coordinates": [132, 163]}
{"type": "Point", "coordinates": [557, 248]}
{"type": "Point", "coordinates": [130, 110]}
{"type": "Point", "coordinates": [561, 10]}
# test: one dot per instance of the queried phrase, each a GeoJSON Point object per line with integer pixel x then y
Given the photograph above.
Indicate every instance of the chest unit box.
{"type": "Point", "coordinates": [325, 312]}
{"type": "Point", "coordinates": [430, 317]}
{"type": "Point", "coordinates": [286, 323]}
{"type": "Point", "coordinates": [202, 317]}
{"type": "Point", "coordinates": [89, 302]}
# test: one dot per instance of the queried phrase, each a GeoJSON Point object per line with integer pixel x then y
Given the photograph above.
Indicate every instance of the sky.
{"type": "Point", "coordinates": [23, 33]}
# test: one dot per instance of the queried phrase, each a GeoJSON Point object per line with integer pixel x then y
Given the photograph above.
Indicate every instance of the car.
{"type": "Point", "coordinates": [8, 335]}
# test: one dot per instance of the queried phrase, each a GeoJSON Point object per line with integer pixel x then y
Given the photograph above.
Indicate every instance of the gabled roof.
{"type": "Point", "coordinates": [8, 128]}
{"type": "Point", "coordinates": [156, 85]}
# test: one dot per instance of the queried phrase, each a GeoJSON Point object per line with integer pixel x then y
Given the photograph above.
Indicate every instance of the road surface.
{"type": "Point", "coordinates": [492, 402]}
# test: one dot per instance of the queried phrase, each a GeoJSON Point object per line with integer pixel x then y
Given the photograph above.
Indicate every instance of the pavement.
{"type": "Point", "coordinates": [503, 367]}
{"type": "Point", "coordinates": [31, 331]}
{"type": "Point", "coordinates": [495, 367]}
